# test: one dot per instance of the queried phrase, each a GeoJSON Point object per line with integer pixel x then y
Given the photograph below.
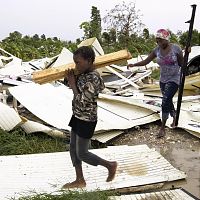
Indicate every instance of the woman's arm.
{"type": "Point", "coordinates": [145, 61]}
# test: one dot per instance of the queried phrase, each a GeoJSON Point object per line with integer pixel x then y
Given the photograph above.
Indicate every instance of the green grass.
{"type": "Point", "coordinates": [17, 142]}
{"type": "Point", "coordinates": [72, 195]}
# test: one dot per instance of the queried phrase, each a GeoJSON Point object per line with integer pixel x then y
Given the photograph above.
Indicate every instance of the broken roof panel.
{"type": "Point", "coordinates": [195, 52]}
{"type": "Point", "coordinates": [64, 57]}
{"type": "Point", "coordinates": [174, 194]}
{"type": "Point", "coordinates": [120, 115]}
{"type": "Point", "coordinates": [104, 137]}
{"type": "Point", "coordinates": [52, 104]}
{"type": "Point", "coordinates": [189, 118]}
{"type": "Point", "coordinates": [47, 102]}
{"type": "Point", "coordinates": [94, 43]}
{"type": "Point", "coordinates": [9, 118]}
{"type": "Point", "coordinates": [33, 127]}
{"type": "Point", "coordinates": [37, 173]}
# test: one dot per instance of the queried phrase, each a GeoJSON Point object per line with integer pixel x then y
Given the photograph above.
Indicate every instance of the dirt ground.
{"type": "Point", "coordinates": [179, 147]}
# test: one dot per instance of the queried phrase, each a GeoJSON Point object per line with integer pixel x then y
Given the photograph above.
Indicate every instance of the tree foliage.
{"type": "Point", "coordinates": [95, 23]}
{"type": "Point", "coordinates": [123, 29]}
{"type": "Point", "coordinates": [92, 28]}
{"type": "Point", "coordinates": [125, 20]}
{"type": "Point", "coordinates": [195, 40]}
{"type": "Point", "coordinates": [35, 47]}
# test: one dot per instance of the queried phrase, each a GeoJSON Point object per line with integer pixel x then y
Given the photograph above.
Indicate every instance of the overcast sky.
{"type": "Point", "coordinates": [61, 18]}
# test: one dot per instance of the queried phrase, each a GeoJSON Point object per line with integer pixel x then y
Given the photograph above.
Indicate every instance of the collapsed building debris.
{"type": "Point", "coordinates": [130, 99]}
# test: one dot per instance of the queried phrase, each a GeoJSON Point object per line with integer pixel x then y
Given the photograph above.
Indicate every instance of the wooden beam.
{"type": "Point", "coordinates": [52, 74]}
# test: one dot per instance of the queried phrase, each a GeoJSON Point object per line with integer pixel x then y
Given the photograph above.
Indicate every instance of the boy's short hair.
{"type": "Point", "coordinates": [86, 52]}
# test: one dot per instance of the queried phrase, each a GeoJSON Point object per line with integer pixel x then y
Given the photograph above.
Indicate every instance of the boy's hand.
{"type": "Point", "coordinates": [70, 77]}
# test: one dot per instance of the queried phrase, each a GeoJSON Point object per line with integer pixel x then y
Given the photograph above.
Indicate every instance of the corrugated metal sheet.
{"type": "Point", "coordinates": [120, 115]}
{"type": "Point", "coordinates": [33, 127]}
{"type": "Point", "coordinates": [53, 105]}
{"type": "Point", "coordinates": [106, 136]}
{"type": "Point", "coordinates": [65, 57]}
{"type": "Point", "coordinates": [137, 166]}
{"type": "Point", "coordinates": [189, 118]}
{"type": "Point", "coordinates": [195, 51]}
{"type": "Point", "coordinates": [9, 118]}
{"type": "Point", "coordinates": [50, 104]}
{"type": "Point", "coordinates": [176, 194]}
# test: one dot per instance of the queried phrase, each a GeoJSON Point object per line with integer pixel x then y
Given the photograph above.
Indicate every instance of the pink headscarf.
{"type": "Point", "coordinates": [163, 34]}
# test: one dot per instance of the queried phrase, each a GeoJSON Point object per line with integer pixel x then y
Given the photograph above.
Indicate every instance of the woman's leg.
{"type": "Point", "coordinates": [164, 117]}
{"type": "Point", "coordinates": [173, 113]}
{"type": "Point", "coordinates": [168, 91]}
{"type": "Point", "coordinates": [92, 159]}
{"type": "Point", "coordinates": [173, 88]}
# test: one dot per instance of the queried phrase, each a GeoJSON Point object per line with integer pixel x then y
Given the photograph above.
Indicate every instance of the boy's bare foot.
{"type": "Point", "coordinates": [111, 171]}
{"type": "Point", "coordinates": [75, 184]}
{"type": "Point", "coordinates": [161, 133]}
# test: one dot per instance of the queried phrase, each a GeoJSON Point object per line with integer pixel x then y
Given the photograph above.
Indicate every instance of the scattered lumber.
{"type": "Point", "coordinates": [52, 74]}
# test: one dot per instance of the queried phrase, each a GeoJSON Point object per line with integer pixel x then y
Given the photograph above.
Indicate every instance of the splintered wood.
{"type": "Point", "coordinates": [57, 73]}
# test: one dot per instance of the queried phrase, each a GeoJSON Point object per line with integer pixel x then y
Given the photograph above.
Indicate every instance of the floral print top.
{"type": "Point", "coordinates": [169, 67]}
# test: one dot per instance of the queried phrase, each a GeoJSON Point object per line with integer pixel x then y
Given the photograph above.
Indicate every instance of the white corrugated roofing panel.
{"type": "Point", "coordinates": [106, 136]}
{"type": "Point", "coordinates": [189, 118]}
{"type": "Point", "coordinates": [137, 166]}
{"type": "Point", "coordinates": [195, 51]}
{"type": "Point", "coordinates": [65, 57]}
{"type": "Point", "coordinates": [53, 105]}
{"type": "Point", "coordinates": [49, 103]}
{"type": "Point", "coordinates": [9, 118]}
{"type": "Point", "coordinates": [33, 127]}
{"type": "Point", "coordinates": [176, 194]}
{"type": "Point", "coordinates": [121, 115]}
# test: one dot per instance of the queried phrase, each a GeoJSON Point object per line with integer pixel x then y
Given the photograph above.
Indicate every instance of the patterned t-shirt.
{"type": "Point", "coordinates": [169, 67]}
{"type": "Point", "coordinates": [84, 105]}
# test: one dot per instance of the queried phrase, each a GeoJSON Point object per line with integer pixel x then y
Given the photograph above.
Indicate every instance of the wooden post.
{"type": "Point", "coordinates": [184, 67]}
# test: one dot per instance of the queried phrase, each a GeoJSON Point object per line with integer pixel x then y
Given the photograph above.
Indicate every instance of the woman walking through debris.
{"type": "Point", "coordinates": [86, 87]}
{"type": "Point", "coordinates": [170, 58]}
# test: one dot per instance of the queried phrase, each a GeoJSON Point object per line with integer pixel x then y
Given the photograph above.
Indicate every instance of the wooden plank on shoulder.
{"type": "Point", "coordinates": [52, 74]}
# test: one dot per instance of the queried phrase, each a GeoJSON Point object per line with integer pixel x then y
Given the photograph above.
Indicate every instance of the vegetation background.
{"type": "Point", "coordinates": [121, 28]}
